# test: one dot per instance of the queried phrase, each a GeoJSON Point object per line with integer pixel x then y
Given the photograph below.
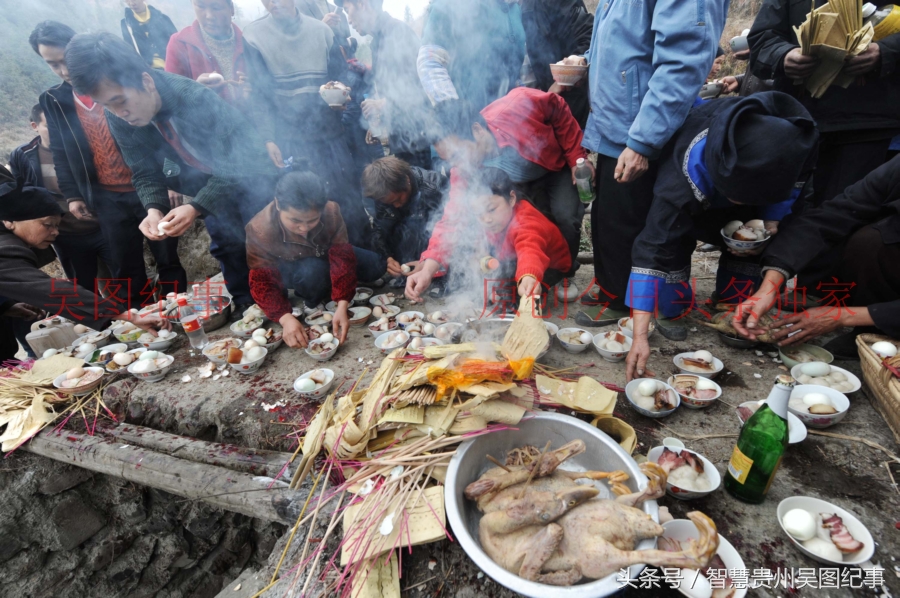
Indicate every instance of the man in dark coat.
{"type": "Point", "coordinates": [733, 159]}
{"type": "Point", "coordinates": [857, 123]}
{"type": "Point", "coordinates": [147, 30]}
{"type": "Point", "coordinates": [866, 218]}
{"type": "Point", "coordinates": [555, 29]}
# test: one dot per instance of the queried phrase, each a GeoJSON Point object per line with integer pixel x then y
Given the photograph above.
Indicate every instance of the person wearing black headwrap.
{"type": "Point", "coordinates": [30, 218]}
{"type": "Point", "coordinates": [733, 159]}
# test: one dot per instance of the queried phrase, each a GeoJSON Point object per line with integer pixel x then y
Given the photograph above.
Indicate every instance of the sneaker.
{"type": "Point", "coordinates": [567, 290]}
{"type": "Point", "coordinates": [674, 330]}
{"type": "Point", "coordinates": [600, 316]}
{"type": "Point", "coordinates": [309, 310]}
{"type": "Point", "coordinates": [238, 310]}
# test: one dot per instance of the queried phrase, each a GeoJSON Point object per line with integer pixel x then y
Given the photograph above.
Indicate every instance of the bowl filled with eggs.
{"type": "Point", "coordinates": [247, 360]}
{"type": "Point", "coordinates": [626, 327]}
{"type": "Point", "coordinates": [574, 340]}
{"type": "Point", "coordinates": [803, 353]}
{"type": "Point", "coordinates": [388, 341]}
{"type": "Point", "coordinates": [418, 343]}
{"type": "Point", "coordinates": [151, 366]}
{"type": "Point", "coordinates": [825, 532]}
{"type": "Point", "coordinates": [745, 236]}
{"type": "Point", "coordinates": [120, 361]}
{"type": "Point", "coordinates": [314, 384]}
{"type": "Point", "coordinates": [161, 342]}
{"type": "Point", "coordinates": [819, 373]}
{"type": "Point", "coordinates": [818, 406]}
{"type": "Point", "coordinates": [612, 345]}
{"type": "Point", "coordinates": [652, 398]}
{"type": "Point", "coordinates": [78, 381]}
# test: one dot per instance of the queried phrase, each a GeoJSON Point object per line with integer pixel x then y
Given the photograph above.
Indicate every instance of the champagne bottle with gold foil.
{"type": "Point", "coordinates": [761, 446]}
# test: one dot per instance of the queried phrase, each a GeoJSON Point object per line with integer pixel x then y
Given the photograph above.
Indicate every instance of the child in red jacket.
{"type": "Point", "coordinates": [529, 247]}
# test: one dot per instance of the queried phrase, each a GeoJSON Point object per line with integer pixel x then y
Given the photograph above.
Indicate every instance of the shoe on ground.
{"type": "Point", "coordinates": [674, 330]}
{"type": "Point", "coordinates": [567, 290]}
{"type": "Point", "coordinates": [707, 247]}
{"type": "Point", "coordinates": [238, 309]}
{"type": "Point", "coordinates": [599, 316]}
{"type": "Point", "coordinates": [398, 283]}
{"type": "Point", "coordinates": [844, 346]}
{"type": "Point", "coordinates": [309, 309]}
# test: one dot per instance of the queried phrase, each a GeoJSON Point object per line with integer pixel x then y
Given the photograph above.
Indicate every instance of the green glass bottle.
{"type": "Point", "coordinates": [761, 446]}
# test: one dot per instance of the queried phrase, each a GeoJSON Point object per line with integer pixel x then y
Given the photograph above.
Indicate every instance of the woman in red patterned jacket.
{"type": "Point", "coordinates": [299, 241]}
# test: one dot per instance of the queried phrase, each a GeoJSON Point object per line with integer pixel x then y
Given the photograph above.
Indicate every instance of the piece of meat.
{"type": "Point", "coordinates": [692, 460]}
{"type": "Point", "coordinates": [663, 401]}
{"type": "Point", "coordinates": [841, 537]}
{"type": "Point", "coordinates": [669, 460]}
{"type": "Point", "coordinates": [705, 394]}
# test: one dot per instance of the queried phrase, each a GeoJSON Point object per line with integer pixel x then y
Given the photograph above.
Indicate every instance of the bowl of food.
{"type": "Point", "coordinates": [78, 381]}
{"type": "Point", "coordinates": [120, 361]}
{"type": "Point", "coordinates": [335, 94]}
{"type": "Point", "coordinates": [359, 315]}
{"type": "Point", "coordinates": [380, 311]}
{"type": "Point", "coordinates": [696, 392]}
{"type": "Point", "coordinates": [568, 74]}
{"type": "Point", "coordinates": [439, 317]}
{"type": "Point", "coordinates": [652, 398]}
{"type": "Point", "coordinates": [151, 366]}
{"type": "Point", "coordinates": [449, 332]}
{"type": "Point", "coordinates": [796, 429]}
{"type": "Point", "coordinates": [269, 338]}
{"type": "Point", "coordinates": [251, 359]}
{"type": "Point", "coordinates": [803, 353]}
{"type": "Point", "coordinates": [214, 312]}
{"type": "Point", "coordinates": [127, 333]}
{"type": "Point", "coordinates": [161, 342]}
{"type": "Point", "coordinates": [598, 452]}
{"type": "Point", "coordinates": [323, 348]}
{"type": "Point", "coordinates": [552, 329]}
{"type": "Point", "coordinates": [319, 318]}
{"type": "Point", "coordinates": [574, 340]}
{"type": "Point", "coordinates": [690, 474]}
{"type": "Point", "coordinates": [217, 352]}
{"type": "Point", "coordinates": [417, 343]}
{"type": "Point", "coordinates": [745, 236]}
{"type": "Point", "coordinates": [382, 300]}
{"type": "Point", "coordinates": [98, 339]}
{"type": "Point", "coordinates": [819, 373]}
{"type": "Point", "coordinates": [362, 296]}
{"type": "Point", "coordinates": [700, 363]}
{"type": "Point", "coordinates": [626, 327]}
{"type": "Point", "coordinates": [314, 384]}
{"type": "Point", "coordinates": [825, 532]}
{"type": "Point", "coordinates": [818, 406]}
{"type": "Point", "coordinates": [383, 324]}
{"type": "Point", "coordinates": [678, 533]}
{"type": "Point", "coordinates": [388, 341]}
{"type": "Point", "coordinates": [244, 327]}
{"type": "Point", "coordinates": [410, 317]}
{"type": "Point", "coordinates": [612, 345]}
{"type": "Point", "coordinates": [100, 357]}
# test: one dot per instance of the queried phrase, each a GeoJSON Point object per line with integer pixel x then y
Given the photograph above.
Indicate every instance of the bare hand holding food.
{"type": "Point", "coordinates": [293, 332]}
{"type": "Point", "coordinates": [177, 221]}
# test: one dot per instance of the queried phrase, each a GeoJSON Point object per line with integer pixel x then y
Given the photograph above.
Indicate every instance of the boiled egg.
{"type": "Point", "coordinates": [306, 385]}
{"type": "Point", "coordinates": [816, 398]}
{"type": "Point", "coordinates": [49, 353]}
{"type": "Point", "coordinates": [703, 356]}
{"type": "Point", "coordinates": [255, 354]}
{"type": "Point", "coordinates": [800, 524]}
{"type": "Point", "coordinates": [80, 329]}
{"type": "Point", "coordinates": [147, 355]}
{"type": "Point", "coordinates": [76, 372]}
{"type": "Point", "coordinates": [327, 337]}
{"type": "Point", "coordinates": [647, 388]}
{"type": "Point", "coordinates": [585, 338]}
{"type": "Point", "coordinates": [885, 349]}
{"type": "Point", "coordinates": [815, 369]}
{"type": "Point", "coordinates": [123, 358]}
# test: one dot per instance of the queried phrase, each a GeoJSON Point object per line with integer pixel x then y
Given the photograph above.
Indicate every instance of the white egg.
{"type": "Point", "coordinates": [647, 388]}
{"type": "Point", "coordinates": [327, 337]}
{"type": "Point", "coordinates": [884, 348]}
{"type": "Point", "coordinates": [249, 345]}
{"type": "Point", "coordinates": [803, 379]}
{"type": "Point", "coordinates": [815, 398]}
{"type": "Point", "coordinates": [732, 226]}
{"type": "Point", "coordinates": [80, 329]}
{"type": "Point", "coordinates": [838, 376]}
{"type": "Point", "coordinates": [327, 317]}
{"type": "Point", "coordinates": [163, 228]}
{"type": "Point", "coordinates": [403, 318]}
{"type": "Point", "coordinates": [398, 337]}
{"type": "Point", "coordinates": [703, 356]}
{"type": "Point", "coordinates": [755, 224]}
{"type": "Point", "coordinates": [49, 353]}
{"type": "Point", "coordinates": [377, 311]}
{"type": "Point", "coordinates": [437, 315]}
{"type": "Point", "coordinates": [815, 369]}
{"type": "Point", "coordinates": [428, 328]}
{"type": "Point", "coordinates": [164, 334]}
{"type": "Point", "coordinates": [123, 358]}
{"type": "Point", "coordinates": [254, 354]}
{"type": "Point", "coordinates": [442, 333]}
{"type": "Point", "coordinates": [149, 355]}
{"type": "Point", "coordinates": [306, 385]}
{"type": "Point", "coordinates": [85, 348]}
{"type": "Point", "coordinates": [629, 324]}
{"type": "Point", "coordinates": [800, 524]}
{"type": "Point", "coordinates": [614, 347]}
{"type": "Point", "coordinates": [405, 269]}
{"type": "Point", "coordinates": [586, 338]}
{"type": "Point", "coordinates": [144, 366]}
{"type": "Point", "coordinates": [705, 384]}
{"type": "Point", "coordinates": [416, 343]}
{"type": "Point", "coordinates": [824, 548]}
{"type": "Point", "coordinates": [76, 372]}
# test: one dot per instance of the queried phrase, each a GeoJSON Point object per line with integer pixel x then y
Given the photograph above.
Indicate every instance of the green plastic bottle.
{"type": "Point", "coordinates": [761, 446]}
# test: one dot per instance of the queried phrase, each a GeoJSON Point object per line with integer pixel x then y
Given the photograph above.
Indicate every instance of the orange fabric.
{"type": "Point", "coordinates": [112, 172]}
{"type": "Point", "coordinates": [533, 241]}
{"type": "Point", "coordinates": [471, 371]}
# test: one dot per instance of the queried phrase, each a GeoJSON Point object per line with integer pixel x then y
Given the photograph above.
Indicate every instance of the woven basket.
{"type": "Point", "coordinates": [884, 387]}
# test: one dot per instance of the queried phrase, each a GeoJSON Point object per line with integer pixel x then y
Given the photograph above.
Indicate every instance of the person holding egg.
{"type": "Point", "coordinates": [740, 159]}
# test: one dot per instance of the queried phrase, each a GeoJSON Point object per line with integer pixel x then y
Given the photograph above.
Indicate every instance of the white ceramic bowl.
{"type": "Point", "coordinates": [744, 245]}
{"type": "Point", "coordinates": [245, 334]}
{"type": "Point", "coordinates": [691, 402]}
{"type": "Point", "coordinates": [568, 74]}
{"type": "Point", "coordinates": [412, 315]}
{"type": "Point", "coordinates": [739, 43]}
{"type": "Point", "coordinates": [153, 375]}
{"type": "Point", "coordinates": [445, 317]}
{"type": "Point", "coordinates": [454, 328]}
{"type": "Point", "coordinates": [216, 360]}
{"type": "Point", "coordinates": [684, 529]}
{"type": "Point", "coordinates": [622, 328]}
{"type": "Point", "coordinates": [359, 315]}
{"type": "Point", "coordinates": [383, 300]}
{"type": "Point", "coordinates": [796, 430]}
{"type": "Point", "coordinates": [426, 342]}
{"type": "Point", "coordinates": [113, 348]}
{"type": "Point", "coordinates": [606, 354]}
{"type": "Point", "coordinates": [99, 339]}
{"type": "Point", "coordinates": [251, 366]}
{"type": "Point", "coordinates": [631, 388]}
{"type": "Point", "coordinates": [838, 399]}
{"type": "Point", "coordinates": [571, 347]}
{"type": "Point", "coordinates": [362, 296]}
{"type": "Point", "coordinates": [819, 353]}
{"type": "Point", "coordinates": [389, 310]}
{"type": "Point", "coordinates": [718, 366]}
{"type": "Point", "coordinates": [159, 344]}
{"type": "Point", "coordinates": [323, 356]}
{"type": "Point", "coordinates": [392, 325]}
{"type": "Point", "coordinates": [335, 97]}
{"type": "Point", "coordinates": [320, 391]}
{"type": "Point", "coordinates": [851, 378]}
{"type": "Point", "coordinates": [382, 340]}
{"type": "Point", "coordinates": [119, 368]}
{"type": "Point", "coordinates": [715, 478]}
{"type": "Point", "coordinates": [851, 522]}
{"type": "Point", "coordinates": [79, 391]}
{"type": "Point", "coordinates": [552, 329]}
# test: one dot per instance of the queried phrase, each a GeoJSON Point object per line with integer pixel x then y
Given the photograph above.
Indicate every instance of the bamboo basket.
{"type": "Point", "coordinates": [883, 386]}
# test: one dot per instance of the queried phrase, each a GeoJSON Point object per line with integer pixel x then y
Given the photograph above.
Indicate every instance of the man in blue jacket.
{"type": "Point", "coordinates": [647, 61]}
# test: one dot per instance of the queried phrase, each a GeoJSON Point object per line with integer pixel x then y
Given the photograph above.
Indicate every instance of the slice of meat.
{"type": "Point", "coordinates": [841, 537]}
{"type": "Point", "coordinates": [692, 460]}
{"type": "Point", "coordinates": [705, 394]}
{"type": "Point", "coordinates": [669, 460]}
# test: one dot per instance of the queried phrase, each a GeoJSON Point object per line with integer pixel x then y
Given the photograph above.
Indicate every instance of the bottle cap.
{"type": "Point", "coordinates": [182, 301]}
{"type": "Point", "coordinates": [579, 161]}
{"type": "Point", "coordinates": [785, 380]}
{"type": "Point", "coordinates": [868, 9]}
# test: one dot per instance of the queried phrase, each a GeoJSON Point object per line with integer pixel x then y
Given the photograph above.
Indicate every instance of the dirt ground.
{"type": "Point", "coordinates": [238, 409]}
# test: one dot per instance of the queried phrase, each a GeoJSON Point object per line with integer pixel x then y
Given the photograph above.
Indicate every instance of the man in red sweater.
{"type": "Point", "coordinates": [533, 137]}
{"type": "Point", "coordinates": [530, 249]}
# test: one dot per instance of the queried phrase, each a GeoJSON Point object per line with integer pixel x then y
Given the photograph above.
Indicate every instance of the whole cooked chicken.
{"type": "Point", "coordinates": [542, 525]}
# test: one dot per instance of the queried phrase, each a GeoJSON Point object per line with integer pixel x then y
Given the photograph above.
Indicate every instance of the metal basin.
{"type": "Point", "coordinates": [469, 462]}
{"type": "Point", "coordinates": [214, 312]}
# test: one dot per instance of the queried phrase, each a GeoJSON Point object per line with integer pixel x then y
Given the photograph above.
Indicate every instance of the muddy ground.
{"type": "Point", "coordinates": [845, 472]}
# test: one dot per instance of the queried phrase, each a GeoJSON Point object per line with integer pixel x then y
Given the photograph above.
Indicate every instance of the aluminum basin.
{"type": "Point", "coordinates": [469, 462]}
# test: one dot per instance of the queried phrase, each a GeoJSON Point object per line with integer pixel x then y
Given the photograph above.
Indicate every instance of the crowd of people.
{"type": "Point", "coordinates": [451, 147]}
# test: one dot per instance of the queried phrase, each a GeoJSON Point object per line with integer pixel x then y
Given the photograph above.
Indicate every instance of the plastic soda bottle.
{"type": "Point", "coordinates": [193, 328]}
{"type": "Point", "coordinates": [583, 181]}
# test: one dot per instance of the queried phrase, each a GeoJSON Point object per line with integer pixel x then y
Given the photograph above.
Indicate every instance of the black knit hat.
{"type": "Point", "coordinates": [760, 148]}
{"type": "Point", "coordinates": [24, 203]}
